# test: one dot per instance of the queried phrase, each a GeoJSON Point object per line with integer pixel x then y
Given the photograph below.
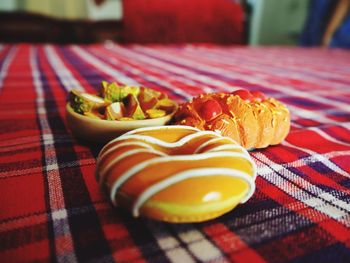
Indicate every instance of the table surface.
{"type": "Point", "coordinates": [51, 208]}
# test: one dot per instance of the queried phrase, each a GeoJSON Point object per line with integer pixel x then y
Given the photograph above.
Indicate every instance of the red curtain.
{"type": "Point", "coordinates": [183, 21]}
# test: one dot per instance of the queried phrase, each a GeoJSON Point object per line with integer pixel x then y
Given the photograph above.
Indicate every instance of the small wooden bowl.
{"type": "Point", "coordinates": [102, 131]}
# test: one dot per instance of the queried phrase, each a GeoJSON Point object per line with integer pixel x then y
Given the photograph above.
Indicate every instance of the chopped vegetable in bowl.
{"type": "Point", "coordinates": [121, 103]}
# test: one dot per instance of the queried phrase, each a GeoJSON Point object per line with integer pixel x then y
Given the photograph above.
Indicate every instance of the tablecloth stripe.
{"type": "Point", "coordinates": [159, 68]}
{"type": "Point", "coordinates": [53, 191]}
{"type": "Point", "coordinates": [6, 59]}
{"type": "Point", "coordinates": [84, 73]}
{"type": "Point", "coordinates": [61, 250]}
{"type": "Point", "coordinates": [150, 80]}
{"type": "Point", "coordinates": [79, 224]}
{"type": "Point", "coordinates": [100, 65]}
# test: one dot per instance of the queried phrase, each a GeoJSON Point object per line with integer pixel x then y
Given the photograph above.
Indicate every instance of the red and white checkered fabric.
{"type": "Point", "coordinates": [51, 208]}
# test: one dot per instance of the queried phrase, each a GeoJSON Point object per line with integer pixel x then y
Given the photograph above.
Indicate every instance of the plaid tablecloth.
{"type": "Point", "coordinates": [51, 208]}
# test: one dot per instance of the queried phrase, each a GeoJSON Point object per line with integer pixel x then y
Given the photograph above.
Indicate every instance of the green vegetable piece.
{"type": "Point", "coordinates": [154, 113]}
{"type": "Point", "coordinates": [147, 93]}
{"type": "Point", "coordinates": [112, 92]}
{"type": "Point", "coordinates": [138, 114]}
{"type": "Point", "coordinates": [126, 90]}
{"type": "Point", "coordinates": [166, 104]}
{"type": "Point", "coordinates": [82, 102]}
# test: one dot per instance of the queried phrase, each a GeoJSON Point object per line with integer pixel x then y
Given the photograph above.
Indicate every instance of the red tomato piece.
{"type": "Point", "coordinates": [244, 94]}
{"type": "Point", "coordinates": [258, 96]}
{"type": "Point", "coordinates": [210, 109]}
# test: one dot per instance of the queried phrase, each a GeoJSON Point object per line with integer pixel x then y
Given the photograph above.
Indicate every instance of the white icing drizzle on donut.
{"type": "Point", "coordinates": [161, 143]}
{"type": "Point", "coordinates": [181, 176]}
{"type": "Point", "coordinates": [228, 147]}
{"type": "Point", "coordinates": [144, 141]}
{"type": "Point", "coordinates": [123, 156]}
{"type": "Point", "coordinates": [233, 145]}
{"type": "Point", "coordinates": [190, 128]}
{"type": "Point", "coordinates": [116, 146]}
{"type": "Point", "coordinates": [210, 141]}
{"type": "Point", "coordinates": [102, 154]}
{"type": "Point", "coordinates": [143, 165]}
{"type": "Point", "coordinates": [140, 130]}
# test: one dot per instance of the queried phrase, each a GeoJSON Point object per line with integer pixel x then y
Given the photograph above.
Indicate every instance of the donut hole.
{"type": "Point", "coordinates": [165, 135]}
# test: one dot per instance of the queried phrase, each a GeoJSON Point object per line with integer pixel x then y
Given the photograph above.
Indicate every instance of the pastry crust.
{"type": "Point", "coordinates": [176, 173]}
{"type": "Point", "coordinates": [252, 124]}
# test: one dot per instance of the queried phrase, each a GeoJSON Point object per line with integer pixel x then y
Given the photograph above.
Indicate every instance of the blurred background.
{"type": "Point", "coordinates": [248, 22]}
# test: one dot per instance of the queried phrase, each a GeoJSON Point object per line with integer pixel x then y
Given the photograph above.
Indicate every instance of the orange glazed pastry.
{"type": "Point", "coordinates": [176, 173]}
{"type": "Point", "coordinates": [249, 118]}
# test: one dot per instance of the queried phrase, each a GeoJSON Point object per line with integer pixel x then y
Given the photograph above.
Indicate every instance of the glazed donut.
{"type": "Point", "coordinates": [176, 173]}
{"type": "Point", "coordinates": [249, 118]}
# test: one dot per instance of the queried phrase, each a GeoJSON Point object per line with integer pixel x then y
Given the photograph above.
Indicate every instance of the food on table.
{"type": "Point", "coordinates": [115, 111]}
{"type": "Point", "coordinates": [176, 173]}
{"type": "Point", "coordinates": [133, 109]}
{"type": "Point", "coordinates": [121, 103]}
{"type": "Point", "coordinates": [84, 102]}
{"type": "Point", "coordinates": [153, 113]}
{"type": "Point", "coordinates": [113, 92]}
{"type": "Point", "coordinates": [250, 118]}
